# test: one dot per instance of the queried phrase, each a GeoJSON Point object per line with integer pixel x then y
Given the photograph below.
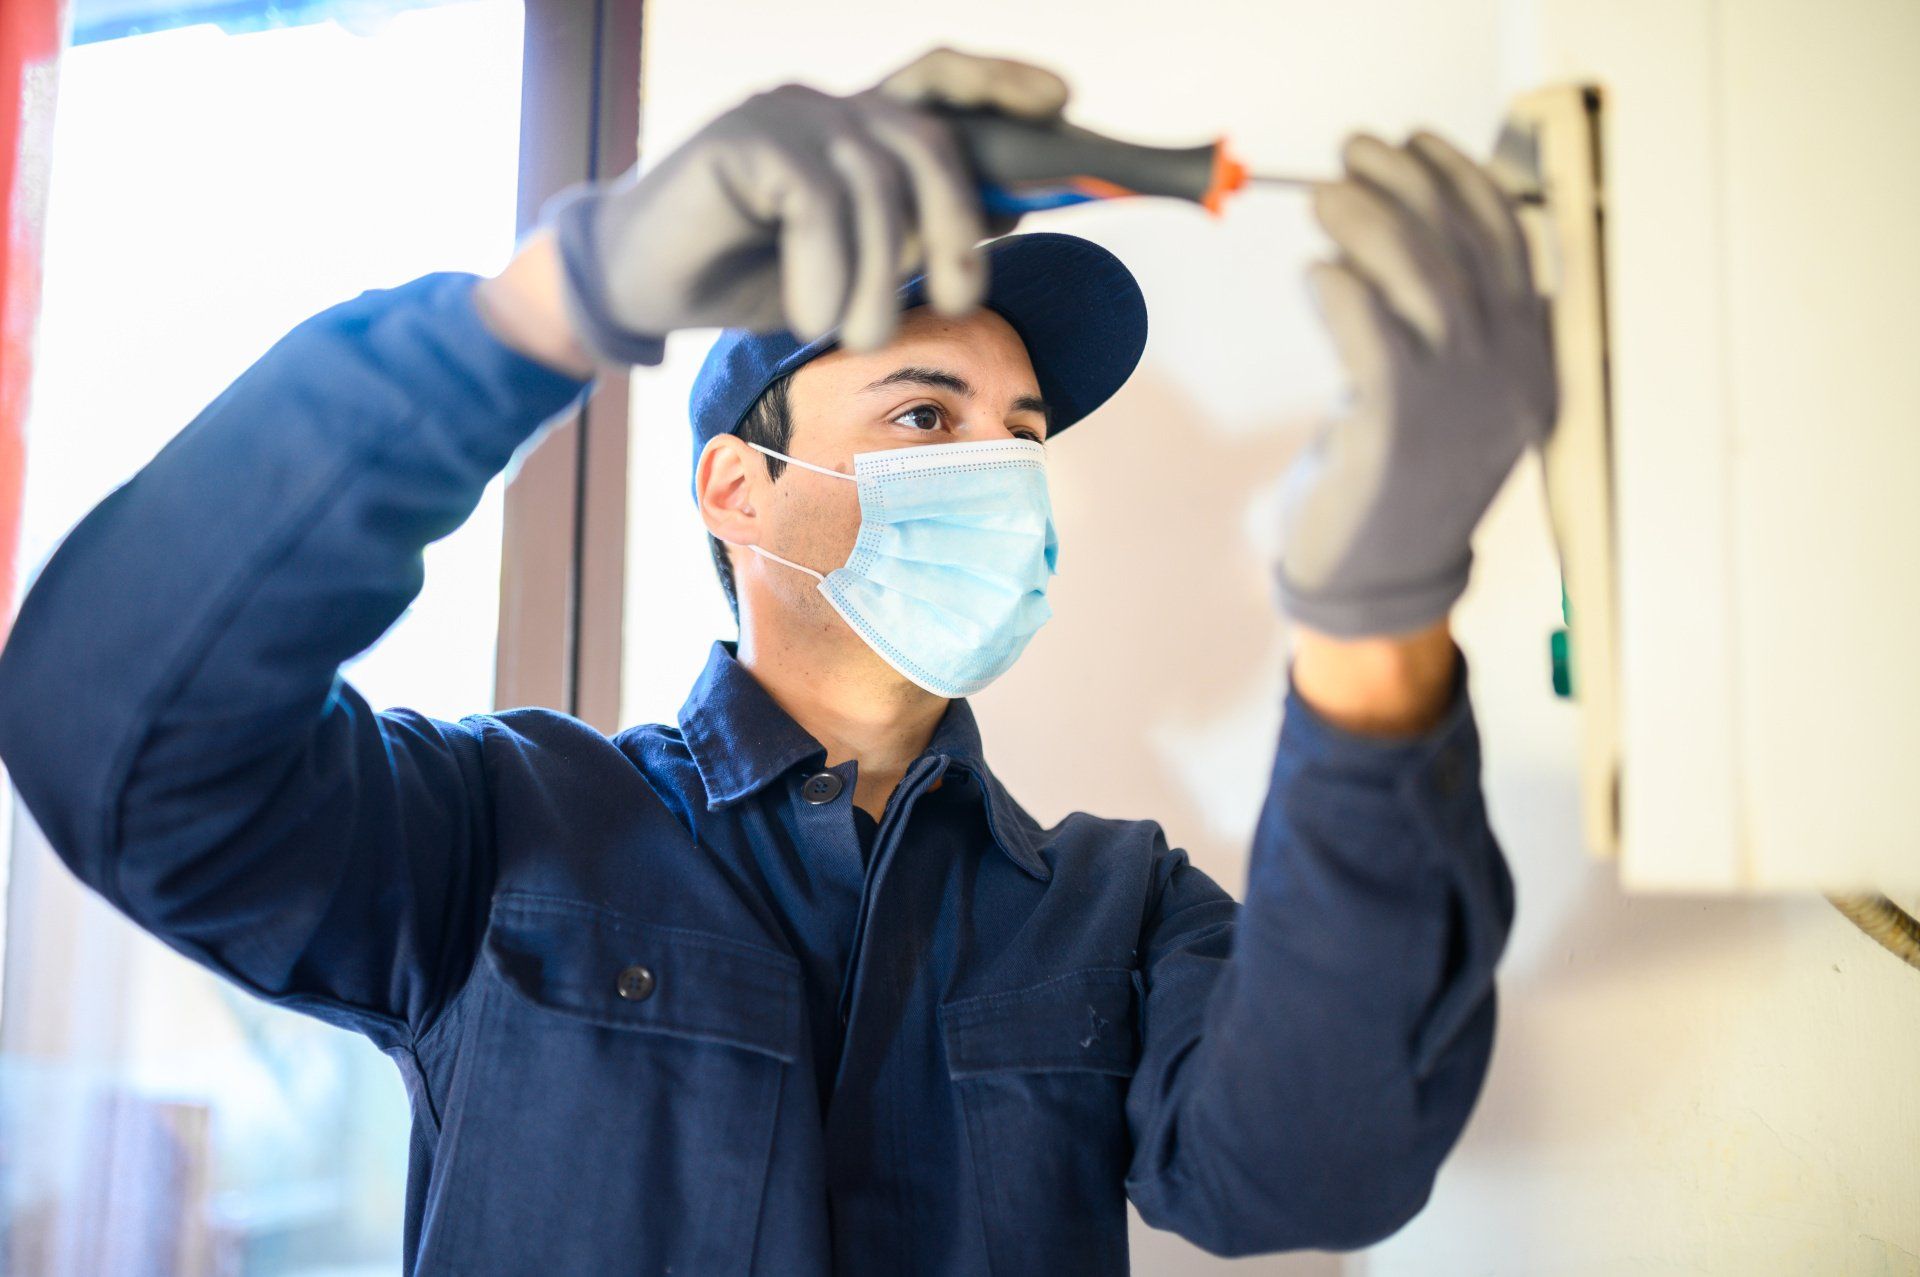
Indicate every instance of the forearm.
{"type": "Point", "coordinates": [1390, 686]}
{"type": "Point", "coordinates": [524, 307]}
{"type": "Point", "coordinates": [200, 612]}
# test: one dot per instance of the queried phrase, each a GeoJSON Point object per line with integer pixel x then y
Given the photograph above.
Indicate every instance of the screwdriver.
{"type": "Point", "coordinates": [1022, 166]}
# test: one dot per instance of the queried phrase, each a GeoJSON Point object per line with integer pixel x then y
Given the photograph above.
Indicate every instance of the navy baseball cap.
{"type": "Point", "coordinates": [1074, 304]}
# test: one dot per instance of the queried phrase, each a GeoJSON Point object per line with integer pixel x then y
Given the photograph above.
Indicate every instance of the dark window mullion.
{"type": "Point", "coordinates": [563, 567]}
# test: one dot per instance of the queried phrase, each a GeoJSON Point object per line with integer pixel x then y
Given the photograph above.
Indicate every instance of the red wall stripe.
{"type": "Point", "coordinates": [31, 35]}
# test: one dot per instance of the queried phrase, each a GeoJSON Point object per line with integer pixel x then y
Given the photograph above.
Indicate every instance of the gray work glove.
{"type": "Point", "coordinates": [796, 209]}
{"type": "Point", "coordinates": [1446, 343]}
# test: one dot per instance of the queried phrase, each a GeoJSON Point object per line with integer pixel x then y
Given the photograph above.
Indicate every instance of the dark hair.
{"type": "Point", "coordinates": [768, 423]}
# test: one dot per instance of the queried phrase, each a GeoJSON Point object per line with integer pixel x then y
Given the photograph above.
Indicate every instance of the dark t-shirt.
{"type": "Point", "coordinates": [865, 826]}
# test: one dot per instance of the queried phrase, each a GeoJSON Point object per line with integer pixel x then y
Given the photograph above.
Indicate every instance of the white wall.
{"type": "Point", "coordinates": [1680, 1085]}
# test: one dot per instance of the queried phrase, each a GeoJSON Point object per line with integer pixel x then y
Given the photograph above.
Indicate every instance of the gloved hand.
{"type": "Point", "coordinates": [1447, 346]}
{"type": "Point", "coordinates": [796, 209]}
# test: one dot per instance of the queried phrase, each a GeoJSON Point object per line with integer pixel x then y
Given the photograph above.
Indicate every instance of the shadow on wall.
{"type": "Point", "coordinates": [1165, 654]}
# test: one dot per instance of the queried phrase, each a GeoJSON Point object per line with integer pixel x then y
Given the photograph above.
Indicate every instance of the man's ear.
{"type": "Point", "coordinates": [726, 483]}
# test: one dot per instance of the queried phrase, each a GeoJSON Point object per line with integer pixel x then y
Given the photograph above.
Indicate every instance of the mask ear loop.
{"type": "Point", "coordinates": [806, 465]}
{"type": "Point", "coordinates": [769, 554]}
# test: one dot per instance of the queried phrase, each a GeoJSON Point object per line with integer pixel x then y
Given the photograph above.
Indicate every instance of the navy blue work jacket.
{"type": "Point", "coordinates": [654, 1010]}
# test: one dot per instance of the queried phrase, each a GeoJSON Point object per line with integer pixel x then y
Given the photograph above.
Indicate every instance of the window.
{"type": "Point", "coordinates": [212, 186]}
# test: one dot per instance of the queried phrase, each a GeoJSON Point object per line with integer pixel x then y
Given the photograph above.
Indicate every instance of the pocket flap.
{"type": "Point", "coordinates": [571, 958]}
{"type": "Point", "coordinates": [1081, 1020]}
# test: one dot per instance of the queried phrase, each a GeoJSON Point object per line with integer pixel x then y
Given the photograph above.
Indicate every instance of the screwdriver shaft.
{"type": "Point", "coordinates": [1281, 179]}
{"type": "Point", "coordinates": [1299, 182]}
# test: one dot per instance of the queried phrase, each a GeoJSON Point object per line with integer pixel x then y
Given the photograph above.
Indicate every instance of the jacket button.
{"type": "Point", "coordinates": [821, 787]}
{"type": "Point", "coordinates": [636, 984]}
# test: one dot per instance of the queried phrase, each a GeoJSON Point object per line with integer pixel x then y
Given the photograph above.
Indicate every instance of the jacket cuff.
{"type": "Point", "coordinates": [1434, 778]}
{"type": "Point", "coordinates": [461, 360]}
{"type": "Point", "coordinates": [573, 214]}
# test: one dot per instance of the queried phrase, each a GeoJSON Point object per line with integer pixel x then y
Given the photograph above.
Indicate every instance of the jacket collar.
{"type": "Point", "coordinates": [742, 740]}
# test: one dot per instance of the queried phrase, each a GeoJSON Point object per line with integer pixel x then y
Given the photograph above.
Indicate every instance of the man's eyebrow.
{"type": "Point", "coordinates": [941, 379]}
{"type": "Point", "coordinates": [1034, 403]}
{"type": "Point", "coordinates": [916, 376]}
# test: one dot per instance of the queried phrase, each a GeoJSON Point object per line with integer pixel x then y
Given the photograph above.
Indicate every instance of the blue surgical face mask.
{"type": "Point", "coordinates": [948, 577]}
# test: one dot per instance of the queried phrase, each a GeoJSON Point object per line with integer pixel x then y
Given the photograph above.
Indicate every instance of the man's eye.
{"type": "Point", "coordinates": [1030, 436]}
{"type": "Point", "coordinates": [925, 407]}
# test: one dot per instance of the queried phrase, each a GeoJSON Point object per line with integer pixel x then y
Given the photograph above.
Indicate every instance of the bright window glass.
{"type": "Point", "coordinates": [209, 191]}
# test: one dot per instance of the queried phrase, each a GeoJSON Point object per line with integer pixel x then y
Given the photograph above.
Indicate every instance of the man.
{"type": "Point", "coordinates": [797, 986]}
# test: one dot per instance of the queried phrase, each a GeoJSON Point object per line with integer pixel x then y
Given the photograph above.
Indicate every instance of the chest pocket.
{"type": "Point", "coordinates": [1042, 1075]}
{"type": "Point", "coordinates": [617, 1093]}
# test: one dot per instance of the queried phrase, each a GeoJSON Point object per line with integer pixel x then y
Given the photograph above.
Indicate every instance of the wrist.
{"type": "Point", "coordinates": [524, 307]}
{"type": "Point", "coordinates": [1390, 685]}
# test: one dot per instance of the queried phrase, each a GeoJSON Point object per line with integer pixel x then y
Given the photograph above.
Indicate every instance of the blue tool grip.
{"type": "Point", "coordinates": [1030, 199]}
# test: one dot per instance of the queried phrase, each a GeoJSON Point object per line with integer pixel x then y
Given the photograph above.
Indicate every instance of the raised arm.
{"type": "Point", "coordinates": [170, 706]}
{"type": "Point", "coordinates": [1310, 1056]}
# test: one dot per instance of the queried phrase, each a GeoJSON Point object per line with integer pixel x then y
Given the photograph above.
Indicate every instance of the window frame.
{"type": "Point", "coordinates": [563, 560]}
{"type": "Point", "coordinates": [564, 519]}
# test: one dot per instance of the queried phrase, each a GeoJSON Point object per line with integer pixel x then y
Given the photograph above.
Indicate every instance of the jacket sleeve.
{"type": "Point", "coordinates": [170, 705]}
{"type": "Point", "coordinates": [1310, 1056]}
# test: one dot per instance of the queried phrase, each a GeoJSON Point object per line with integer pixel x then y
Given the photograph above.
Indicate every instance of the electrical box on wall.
{"type": "Point", "coordinates": [1548, 153]}
{"type": "Point", "coordinates": [1725, 230]}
